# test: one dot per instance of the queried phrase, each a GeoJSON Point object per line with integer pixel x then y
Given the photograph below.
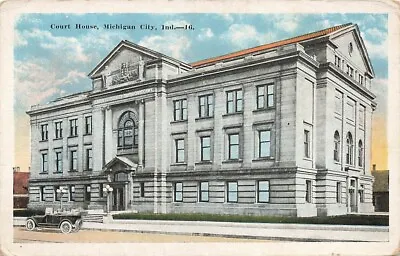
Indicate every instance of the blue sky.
{"type": "Point", "coordinates": [50, 63]}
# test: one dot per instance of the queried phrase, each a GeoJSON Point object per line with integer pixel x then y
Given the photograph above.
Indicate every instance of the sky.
{"type": "Point", "coordinates": [49, 62]}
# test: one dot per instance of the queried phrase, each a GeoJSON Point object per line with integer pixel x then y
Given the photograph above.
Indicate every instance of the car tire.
{"type": "Point", "coordinates": [78, 225]}
{"type": "Point", "coordinates": [66, 227]}
{"type": "Point", "coordinates": [30, 225]}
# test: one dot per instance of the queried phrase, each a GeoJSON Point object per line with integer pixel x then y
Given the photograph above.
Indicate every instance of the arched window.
{"type": "Point", "coordinates": [360, 153]}
{"type": "Point", "coordinates": [336, 150]}
{"type": "Point", "coordinates": [127, 130]}
{"type": "Point", "coordinates": [349, 146]}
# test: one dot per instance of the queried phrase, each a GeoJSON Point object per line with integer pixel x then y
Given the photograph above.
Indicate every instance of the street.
{"type": "Point", "coordinates": [94, 236]}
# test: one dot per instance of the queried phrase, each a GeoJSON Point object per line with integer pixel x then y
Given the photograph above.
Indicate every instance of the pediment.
{"type": "Point", "coordinates": [351, 45]}
{"type": "Point", "coordinates": [124, 55]}
{"type": "Point", "coordinates": [118, 164]}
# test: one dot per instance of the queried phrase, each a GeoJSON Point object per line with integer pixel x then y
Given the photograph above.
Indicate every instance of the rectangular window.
{"type": "Point", "coordinates": [233, 146]}
{"type": "Point", "coordinates": [232, 192]}
{"type": "Point", "coordinates": [337, 61]}
{"type": "Point", "coordinates": [58, 130]}
{"type": "Point", "coordinates": [89, 159]}
{"type": "Point", "coordinates": [71, 193]}
{"type": "Point", "coordinates": [265, 96]}
{"type": "Point", "coordinates": [338, 192]}
{"type": "Point", "coordinates": [59, 167]}
{"type": "Point", "coordinates": [41, 193]}
{"type": "Point", "coordinates": [73, 127]}
{"type": "Point", "coordinates": [178, 192]}
{"type": "Point", "coordinates": [87, 193]}
{"type": "Point", "coordinates": [361, 115]}
{"type": "Point", "coordinates": [308, 191]}
{"type": "Point", "coordinates": [361, 79]}
{"type": "Point", "coordinates": [203, 191]}
{"type": "Point", "coordinates": [180, 151]}
{"type": "Point", "coordinates": [263, 191]}
{"type": "Point", "coordinates": [45, 164]}
{"type": "Point", "coordinates": [44, 131]}
{"type": "Point", "coordinates": [306, 144]}
{"type": "Point", "coordinates": [234, 101]}
{"type": "Point", "coordinates": [73, 160]}
{"type": "Point", "coordinates": [361, 192]}
{"type": "Point", "coordinates": [88, 125]}
{"type": "Point", "coordinates": [180, 110]}
{"type": "Point", "coordinates": [205, 144]}
{"type": "Point", "coordinates": [101, 190]}
{"type": "Point", "coordinates": [264, 143]}
{"type": "Point", "coordinates": [206, 106]}
{"type": "Point", "coordinates": [57, 195]}
{"type": "Point", "coordinates": [142, 189]}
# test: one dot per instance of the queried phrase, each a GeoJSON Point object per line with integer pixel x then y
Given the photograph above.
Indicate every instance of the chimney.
{"type": "Point", "coordinates": [374, 167]}
{"type": "Point", "coordinates": [16, 169]}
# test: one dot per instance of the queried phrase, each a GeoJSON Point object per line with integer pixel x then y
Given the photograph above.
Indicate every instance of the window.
{"type": "Point", "coordinates": [350, 71]}
{"type": "Point", "coordinates": [127, 130]}
{"type": "Point", "coordinates": [308, 191]}
{"type": "Point", "coordinates": [265, 96]}
{"type": "Point", "coordinates": [59, 167]}
{"type": "Point", "coordinates": [306, 143]}
{"type": "Point", "coordinates": [89, 159]}
{"type": "Point", "coordinates": [232, 192]}
{"type": "Point", "coordinates": [180, 110]}
{"type": "Point", "coordinates": [264, 143]}
{"type": "Point", "coordinates": [206, 106]}
{"type": "Point", "coordinates": [73, 127]}
{"type": "Point", "coordinates": [203, 191]}
{"type": "Point", "coordinates": [338, 192]}
{"type": "Point", "coordinates": [361, 194]}
{"type": "Point", "coordinates": [361, 79]}
{"type": "Point", "coordinates": [349, 146]}
{"type": "Point", "coordinates": [233, 146]}
{"type": "Point", "coordinates": [101, 190]}
{"type": "Point", "coordinates": [44, 131]}
{"type": "Point", "coordinates": [337, 61]}
{"type": "Point", "coordinates": [180, 151]}
{"type": "Point", "coordinates": [205, 144]}
{"type": "Point", "coordinates": [141, 189]}
{"type": "Point", "coordinates": [234, 101]}
{"type": "Point", "coordinates": [41, 193]}
{"type": "Point", "coordinates": [45, 164]}
{"type": "Point", "coordinates": [178, 192]}
{"type": "Point", "coordinates": [336, 150]}
{"type": "Point", "coordinates": [360, 153]}
{"type": "Point", "coordinates": [73, 160]}
{"type": "Point", "coordinates": [87, 193]}
{"type": "Point", "coordinates": [57, 196]}
{"type": "Point", "coordinates": [88, 125]}
{"type": "Point", "coordinates": [71, 193]}
{"type": "Point", "coordinates": [263, 191]}
{"type": "Point", "coordinates": [58, 130]}
{"type": "Point", "coordinates": [361, 116]}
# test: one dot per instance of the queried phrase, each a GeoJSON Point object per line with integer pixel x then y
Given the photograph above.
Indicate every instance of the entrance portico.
{"type": "Point", "coordinates": [119, 176]}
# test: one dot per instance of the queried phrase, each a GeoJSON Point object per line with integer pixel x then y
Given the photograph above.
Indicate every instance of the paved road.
{"type": "Point", "coordinates": [94, 236]}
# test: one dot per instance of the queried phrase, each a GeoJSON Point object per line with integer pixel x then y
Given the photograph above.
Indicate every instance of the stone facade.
{"type": "Point", "coordinates": [252, 133]}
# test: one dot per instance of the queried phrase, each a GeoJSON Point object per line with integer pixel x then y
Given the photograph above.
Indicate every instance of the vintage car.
{"type": "Point", "coordinates": [65, 221]}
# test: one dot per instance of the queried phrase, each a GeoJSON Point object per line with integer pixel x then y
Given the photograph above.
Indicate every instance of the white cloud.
{"type": "Point", "coordinates": [37, 81]}
{"type": "Point", "coordinates": [227, 17]}
{"type": "Point", "coordinates": [19, 40]}
{"type": "Point", "coordinates": [377, 50]}
{"type": "Point", "coordinates": [205, 33]}
{"type": "Point", "coordinates": [287, 22]}
{"type": "Point", "coordinates": [375, 33]}
{"type": "Point", "coordinates": [244, 35]}
{"type": "Point", "coordinates": [169, 44]}
{"type": "Point", "coordinates": [69, 47]}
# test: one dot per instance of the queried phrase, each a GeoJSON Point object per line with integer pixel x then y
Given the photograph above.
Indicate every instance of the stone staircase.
{"type": "Point", "coordinates": [93, 216]}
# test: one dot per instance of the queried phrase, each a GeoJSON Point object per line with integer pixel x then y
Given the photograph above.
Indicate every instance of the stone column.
{"type": "Point", "coordinates": [219, 111]}
{"type": "Point", "coordinates": [97, 143]}
{"type": "Point", "coordinates": [191, 133]}
{"type": "Point", "coordinates": [141, 134]}
{"type": "Point", "coordinates": [108, 135]}
{"type": "Point", "coordinates": [248, 135]}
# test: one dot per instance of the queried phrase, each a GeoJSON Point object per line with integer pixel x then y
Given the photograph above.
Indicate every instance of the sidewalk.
{"type": "Point", "coordinates": [266, 231]}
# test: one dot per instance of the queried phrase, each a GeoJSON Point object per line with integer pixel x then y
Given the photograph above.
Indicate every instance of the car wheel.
{"type": "Point", "coordinates": [30, 225]}
{"type": "Point", "coordinates": [65, 227]}
{"type": "Point", "coordinates": [78, 225]}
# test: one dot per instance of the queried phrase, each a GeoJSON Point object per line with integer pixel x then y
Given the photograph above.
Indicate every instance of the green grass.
{"type": "Point", "coordinates": [340, 220]}
{"type": "Point", "coordinates": [27, 213]}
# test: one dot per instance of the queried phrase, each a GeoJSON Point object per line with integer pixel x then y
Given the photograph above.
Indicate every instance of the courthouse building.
{"type": "Point", "coordinates": [279, 129]}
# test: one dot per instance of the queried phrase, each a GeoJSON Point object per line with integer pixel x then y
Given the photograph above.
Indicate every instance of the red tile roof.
{"type": "Point", "coordinates": [21, 182]}
{"type": "Point", "coordinates": [270, 45]}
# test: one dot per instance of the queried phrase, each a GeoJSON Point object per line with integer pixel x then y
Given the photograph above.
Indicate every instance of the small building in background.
{"type": "Point", "coordinates": [380, 192]}
{"type": "Point", "coordinates": [20, 188]}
